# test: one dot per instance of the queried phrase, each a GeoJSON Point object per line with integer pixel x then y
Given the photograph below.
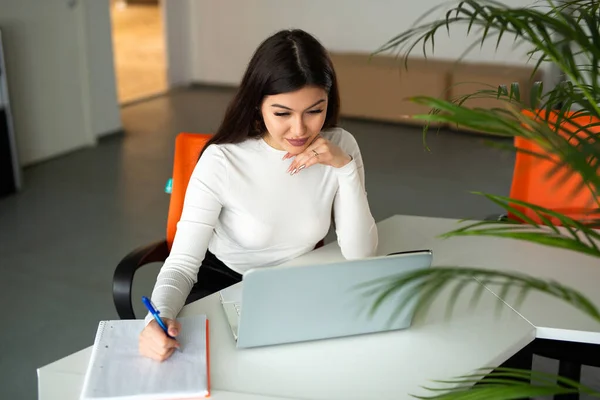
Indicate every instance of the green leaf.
{"type": "Point", "coordinates": [567, 34]}
{"type": "Point", "coordinates": [575, 155]}
{"type": "Point", "coordinates": [540, 238]}
{"type": "Point", "coordinates": [536, 94]}
{"type": "Point", "coordinates": [515, 92]}
{"type": "Point", "coordinates": [506, 383]}
{"type": "Point", "coordinates": [574, 227]}
{"type": "Point", "coordinates": [552, 32]}
{"type": "Point", "coordinates": [423, 286]}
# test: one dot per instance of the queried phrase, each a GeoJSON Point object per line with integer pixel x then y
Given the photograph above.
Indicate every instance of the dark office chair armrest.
{"type": "Point", "coordinates": [496, 217]}
{"type": "Point", "coordinates": [123, 276]}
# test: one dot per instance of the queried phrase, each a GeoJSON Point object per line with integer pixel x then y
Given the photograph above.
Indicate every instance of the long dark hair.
{"type": "Point", "coordinates": [287, 61]}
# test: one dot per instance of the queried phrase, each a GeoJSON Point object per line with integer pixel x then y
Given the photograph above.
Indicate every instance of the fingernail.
{"type": "Point", "coordinates": [294, 171]}
{"type": "Point", "coordinates": [301, 167]}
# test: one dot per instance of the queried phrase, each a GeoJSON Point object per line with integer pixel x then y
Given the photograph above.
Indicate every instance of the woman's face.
{"type": "Point", "coordinates": [294, 119]}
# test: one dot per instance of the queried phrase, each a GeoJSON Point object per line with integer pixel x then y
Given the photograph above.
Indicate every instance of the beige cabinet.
{"type": "Point", "coordinates": [380, 87]}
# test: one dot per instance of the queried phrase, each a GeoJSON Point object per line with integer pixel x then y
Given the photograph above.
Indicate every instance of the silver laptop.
{"type": "Point", "coordinates": [276, 305]}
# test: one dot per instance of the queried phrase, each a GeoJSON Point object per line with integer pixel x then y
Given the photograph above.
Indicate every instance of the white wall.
{"type": "Point", "coordinates": [226, 32]}
{"type": "Point", "coordinates": [105, 114]}
{"type": "Point", "coordinates": [177, 22]}
{"type": "Point", "coordinates": [44, 67]}
{"type": "Point", "coordinates": [60, 75]}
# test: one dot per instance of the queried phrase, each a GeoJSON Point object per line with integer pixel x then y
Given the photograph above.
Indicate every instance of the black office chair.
{"type": "Point", "coordinates": [187, 149]}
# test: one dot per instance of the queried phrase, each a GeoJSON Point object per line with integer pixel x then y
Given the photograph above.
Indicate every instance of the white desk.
{"type": "Point", "coordinates": [389, 365]}
{"type": "Point", "coordinates": [64, 379]}
{"type": "Point", "coordinates": [553, 318]}
{"type": "Point", "coordinates": [393, 364]}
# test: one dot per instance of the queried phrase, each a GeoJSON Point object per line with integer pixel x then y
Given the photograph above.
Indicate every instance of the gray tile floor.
{"type": "Point", "coordinates": [61, 238]}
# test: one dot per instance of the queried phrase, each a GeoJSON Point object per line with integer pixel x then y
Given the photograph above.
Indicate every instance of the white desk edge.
{"type": "Point", "coordinates": [407, 239]}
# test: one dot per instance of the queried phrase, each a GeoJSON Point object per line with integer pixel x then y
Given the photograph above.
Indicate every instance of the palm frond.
{"type": "Point", "coordinates": [420, 288]}
{"type": "Point", "coordinates": [566, 34]}
{"type": "Point", "coordinates": [565, 94]}
{"type": "Point", "coordinates": [559, 34]}
{"type": "Point", "coordinates": [576, 152]}
{"type": "Point", "coordinates": [567, 233]}
{"type": "Point", "coordinates": [504, 384]}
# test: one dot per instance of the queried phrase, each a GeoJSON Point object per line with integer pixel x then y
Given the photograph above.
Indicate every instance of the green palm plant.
{"type": "Point", "coordinates": [565, 34]}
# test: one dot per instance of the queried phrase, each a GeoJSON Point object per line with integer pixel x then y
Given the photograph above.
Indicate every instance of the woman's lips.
{"type": "Point", "coordinates": [297, 142]}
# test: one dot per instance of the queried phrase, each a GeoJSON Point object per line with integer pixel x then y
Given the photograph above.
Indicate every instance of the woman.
{"type": "Point", "coordinates": [266, 184]}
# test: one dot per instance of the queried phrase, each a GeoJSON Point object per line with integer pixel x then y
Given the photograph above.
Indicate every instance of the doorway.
{"type": "Point", "coordinates": [139, 49]}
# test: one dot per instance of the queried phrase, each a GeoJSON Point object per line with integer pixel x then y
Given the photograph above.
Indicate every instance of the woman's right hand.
{"type": "Point", "coordinates": [155, 344]}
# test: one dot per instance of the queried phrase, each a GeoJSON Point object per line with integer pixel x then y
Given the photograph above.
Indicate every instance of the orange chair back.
{"type": "Point", "coordinates": [187, 149]}
{"type": "Point", "coordinates": [532, 184]}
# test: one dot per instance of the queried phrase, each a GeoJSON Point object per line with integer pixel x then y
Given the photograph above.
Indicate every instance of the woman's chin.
{"type": "Point", "coordinates": [293, 150]}
{"type": "Point", "coordinates": [296, 151]}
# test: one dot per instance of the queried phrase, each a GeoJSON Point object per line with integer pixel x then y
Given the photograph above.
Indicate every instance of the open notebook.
{"type": "Point", "coordinates": [117, 371]}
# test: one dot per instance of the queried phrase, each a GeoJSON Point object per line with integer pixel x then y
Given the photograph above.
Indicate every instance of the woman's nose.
{"type": "Point", "coordinates": [299, 127]}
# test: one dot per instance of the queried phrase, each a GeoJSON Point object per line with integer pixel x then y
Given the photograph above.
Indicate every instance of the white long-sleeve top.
{"type": "Point", "coordinates": [246, 209]}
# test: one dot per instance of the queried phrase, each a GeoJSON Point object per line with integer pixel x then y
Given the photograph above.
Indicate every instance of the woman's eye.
{"type": "Point", "coordinates": [285, 114]}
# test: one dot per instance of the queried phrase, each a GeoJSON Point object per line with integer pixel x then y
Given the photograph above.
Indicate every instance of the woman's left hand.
{"type": "Point", "coordinates": [320, 151]}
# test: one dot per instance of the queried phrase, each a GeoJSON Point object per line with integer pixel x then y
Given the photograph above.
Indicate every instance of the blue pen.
{"type": "Point", "coordinates": [148, 303]}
